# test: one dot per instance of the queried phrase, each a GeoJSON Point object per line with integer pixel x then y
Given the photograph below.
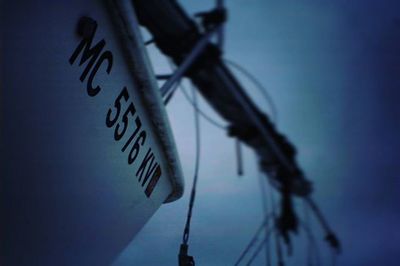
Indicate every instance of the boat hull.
{"type": "Point", "coordinates": [86, 159]}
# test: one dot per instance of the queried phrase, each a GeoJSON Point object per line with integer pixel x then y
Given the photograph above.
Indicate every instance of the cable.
{"type": "Point", "coordinates": [277, 240]}
{"type": "Point", "coordinates": [265, 209]}
{"type": "Point", "coordinates": [168, 97]}
{"type": "Point", "coordinates": [196, 171]}
{"type": "Point", "coordinates": [204, 115]}
{"type": "Point", "coordinates": [183, 89]}
{"type": "Point", "coordinates": [184, 258]}
{"type": "Point", "coordinates": [307, 222]}
{"type": "Point", "coordinates": [259, 86]}
{"type": "Point", "coordinates": [312, 241]}
{"type": "Point", "coordinates": [253, 240]}
{"type": "Point", "coordinates": [264, 242]}
{"type": "Point", "coordinates": [330, 237]}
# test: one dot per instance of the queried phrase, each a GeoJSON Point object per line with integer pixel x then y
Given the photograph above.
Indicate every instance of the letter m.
{"type": "Point", "coordinates": [85, 47]}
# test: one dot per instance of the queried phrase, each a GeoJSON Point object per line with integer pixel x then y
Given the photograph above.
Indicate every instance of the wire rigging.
{"type": "Point", "coordinates": [202, 113]}
{"type": "Point", "coordinates": [330, 236]}
{"type": "Point", "coordinates": [277, 239]}
{"type": "Point", "coordinates": [309, 244]}
{"type": "Point", "coordinates": [265, 209]}
{"type": "Point", "coordinates": [196, 170]}
{"type": "Point", "coordinates": [259, 86]}
{"type": "Point", "coordinates": [169, 96]}
{"type": "Point", "coordinates": [184, 259]}
{"type": "Point", "coordinates": [190, 100]}
{"type": "Point", "coordinates": [253, 240]}
{"type": "Point", "coordinates": [266, 226]}
{"type": "Point", "coordinates": [260, 246]}
{"type": "Point", "coordinates": [313, 242]}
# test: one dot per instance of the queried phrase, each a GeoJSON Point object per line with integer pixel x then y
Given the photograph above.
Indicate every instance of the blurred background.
{"type": "Point", "coordinates": [333, 70]}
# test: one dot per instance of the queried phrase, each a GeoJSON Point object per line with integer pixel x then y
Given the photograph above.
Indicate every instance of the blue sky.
{"type": "Point", "coordinates": [332, 68]}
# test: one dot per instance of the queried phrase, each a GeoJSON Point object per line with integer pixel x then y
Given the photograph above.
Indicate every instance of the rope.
{"type": "Point", "coordinates": [186, 231]}
{"type": "Point", "coordinates": [309, 245]}
{"type": "Point", "coordinates": [259, 86]}
{"type": "Point", "coordinates": [202, 113]}
{"type": "Point", "coordinates": [330, 237]}
{"type": "Point", "coordinates": [260, 246]}
{"type": "Point", "coordinates": [190, 100]}
{"type": "Point", "coordinates": [265, 208]}
{"type": "Point", "coordinates": [277, 240]}
{"type": "Point", "coordinates": [253, 240]}
{"type": "Point", "coordinates": [169, 96]}
{"type": "Point", "coordinates": [312, 241]}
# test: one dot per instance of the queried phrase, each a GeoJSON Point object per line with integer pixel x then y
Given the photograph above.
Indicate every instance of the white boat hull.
{"type": "Point", "coordinates": [70, 193]}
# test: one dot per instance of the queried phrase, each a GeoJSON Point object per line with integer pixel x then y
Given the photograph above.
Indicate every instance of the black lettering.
{"type": "Point", "coordinates": [125, 119]}
{"type": "Point", "coordinates": [93, 56]}
{"type": "Point", "coordinates": [136, 147]}
{"type": "Point", "coordinates": [153, 182]}
{"type": "Point", "coordinates": [107, 55]}
{"type": "Point", "coordinates": [88, 52]}
{"type": "Point", "coordinates": [138, 127]}
{"type": "Point", "coordinates": [117, 104]}
{"type": "Point", "coordinates": [146, 163]}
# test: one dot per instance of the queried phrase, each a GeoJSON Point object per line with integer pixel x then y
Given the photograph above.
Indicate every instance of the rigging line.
{"type": "Point", "coordinates": [278, 247]}
{"type": "Point", "coordinates": [277, 240]}
{"type": "Point", "coordinates": [253, 239]}
{"type": "Point", "coordinates": [265, 208]}
{"type": "Point", "coordinates": [260, 246]}
{"type": "Point", "coordinates": [334, 255]}
{"type": "Point", "coordinates": [307, 222]}
{"type": "Point", "coordinates": [330, 235]}
{"type": "Point", "coordinates": [259, 86]}
{"type": "Point", "coordinates": [312, 241]}
{"type": "Point", "coordinates": [169, 96]}
{"type": "Point", "coordinates": [196, 170]}
{"type": "Point", "coordinates": [202, 113]}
